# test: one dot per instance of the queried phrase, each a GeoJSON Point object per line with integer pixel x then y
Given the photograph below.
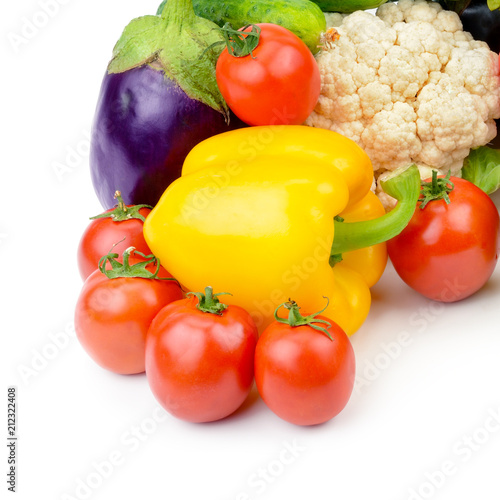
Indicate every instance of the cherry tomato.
{"type": "Point", "coordinates": [104, 232]}
{"type": "Point", "coordinates": [279, 83]}
{"type": "Point", "coordinates": [449, 251]}
{"type": "Point", "coordinates": [199, 364]}
{"type": "Point", "coordinates": [112, 317]}
{"type": "Point", "coordinates": [302, 375]}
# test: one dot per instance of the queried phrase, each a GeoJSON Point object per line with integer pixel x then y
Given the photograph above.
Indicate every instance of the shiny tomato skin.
{"type": "Point", "coordinates": [304, 377]}
{"type": "Point", "coordinates": [280, 85]}
{"type": "Point", "coordinates": [449, 251]}
{"type": "Point", "coordinates": [112, 318]}
{"type": "Point", "coordinates": [200, 365]}
{"type": "Point", "coordinates": [100, 236]}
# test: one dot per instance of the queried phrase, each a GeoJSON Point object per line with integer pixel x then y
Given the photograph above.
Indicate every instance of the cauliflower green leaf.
{"type": "Point", "coordinates": [482, 168]}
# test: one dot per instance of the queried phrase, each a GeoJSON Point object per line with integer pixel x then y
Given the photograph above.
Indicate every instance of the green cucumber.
{"type": "Point", "coordinates": [346, 6]}
{"type": "Point", "coordinates": [302, 17]}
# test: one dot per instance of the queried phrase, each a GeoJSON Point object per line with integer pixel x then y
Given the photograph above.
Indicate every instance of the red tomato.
{"type": "Point", "coordinates": [302, 375]}
{"type": "Point", "coordinates": [280, 84]}
{"type": "Point", "coordinates": [448, 251]}
{"type": "Point", "coordinates": [199, 365]}
{"type": "Point", "coordinates": [112, 317]}
{"type": "Point", "coordinates": [101, 234]}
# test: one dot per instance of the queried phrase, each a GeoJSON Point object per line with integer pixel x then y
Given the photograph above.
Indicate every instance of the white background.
{"type": "Point", "coordinates": [428, 382]}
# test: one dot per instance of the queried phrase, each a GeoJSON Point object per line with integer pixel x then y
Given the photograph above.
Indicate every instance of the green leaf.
{"type": "Point", "coordinates": [179, 43]}
{"type": "Point", "coordinates": [493, 4]}
{"type": "Point", "coordinates": [139, 44]}
{"type": "Point", "coordinates": [482, 168]}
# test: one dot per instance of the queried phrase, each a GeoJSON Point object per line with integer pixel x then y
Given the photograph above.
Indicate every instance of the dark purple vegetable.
{"type": "Point", "coordinates": [482, 23]}
{"type": "Point", "coordinates": [159, 98]}
{"type": "Point", "coordinates": [478, 19]}
{"type": "Point", "coordinates": [495, 143]}
{"type": "Point", "coordinates": [144, 126]}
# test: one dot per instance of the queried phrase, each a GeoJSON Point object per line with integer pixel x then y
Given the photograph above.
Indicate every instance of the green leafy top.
{"type": "Point", "coordinates": [175, 42]}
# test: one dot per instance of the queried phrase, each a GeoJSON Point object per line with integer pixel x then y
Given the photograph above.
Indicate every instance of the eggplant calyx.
{"type": "Point", "coordinates": [174, 42]}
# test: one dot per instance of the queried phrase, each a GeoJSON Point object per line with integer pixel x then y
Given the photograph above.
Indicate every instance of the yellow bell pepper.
{"type": "Point", "coordinates": [253, 215]}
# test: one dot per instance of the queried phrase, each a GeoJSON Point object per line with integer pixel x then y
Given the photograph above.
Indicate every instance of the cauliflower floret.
{"type": "Point", "coordinates": [375, 97]}
{"type": "Point", "coordinates": [447, 21]}
{"type": "Point", "coordinates": [405, 73]}
{"type": "Point", "coordinates": [391, 149]}
{"type": "Point", "coordinates": [458, 127]}
{"type": "Point", "coordinates": [409, 86]}
{"type": "Point", "coordinates": [471, 68]}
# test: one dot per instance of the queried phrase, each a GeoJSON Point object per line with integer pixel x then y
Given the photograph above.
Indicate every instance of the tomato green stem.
{"type": "Point", "coordinates": [405, 187]}
{"type": "Point", "coordinates": [296, 319]}
{"type": "Point", "coordinates": [436, 189]}
{"type": "Point", "coordinates": [121, 212]}
{"type": "Point", "coordinates": [126, 270]}
{"type": "Point", "coordinates": [208, 302]}
{"type": "Point", "coordinates": [239, 43]}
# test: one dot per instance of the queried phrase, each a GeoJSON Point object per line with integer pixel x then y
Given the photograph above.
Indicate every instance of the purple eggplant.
{"type": "Point", "coordinates": [480, 18]}
{"type": "Point", "coordinates": [482, 23]}
{"type": "Point", "coordinates": [144, 127]}
{"type": "Point", "coordinates": [158, 99]}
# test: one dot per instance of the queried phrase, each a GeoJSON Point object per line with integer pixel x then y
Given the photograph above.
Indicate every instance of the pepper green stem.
{"type": "Point", "coordinates": [208, 301]}
{"type": "Point", "coordinates": [121, 212]}
{"type": "Point", "coordinates": [405, 187]}
{"type": "Point", "coordinates": [296, 319]}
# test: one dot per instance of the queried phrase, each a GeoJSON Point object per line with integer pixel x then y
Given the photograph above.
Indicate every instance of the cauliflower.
{"type": "Point", "coordinates": [409, 86]}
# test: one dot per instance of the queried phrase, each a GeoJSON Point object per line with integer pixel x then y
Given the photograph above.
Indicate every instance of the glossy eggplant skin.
{"type": "Point", "coordinates": [144, 126]}
{"type": "Point", "coordinates": [482, 23]}
{"type": "Point", "coordinates": [495, 143]}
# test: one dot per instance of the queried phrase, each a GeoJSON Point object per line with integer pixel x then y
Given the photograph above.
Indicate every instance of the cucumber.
{"type": "Point", "coordinates": [302, 17]}
{"type": "Point", "coordinates": [346, 6]}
